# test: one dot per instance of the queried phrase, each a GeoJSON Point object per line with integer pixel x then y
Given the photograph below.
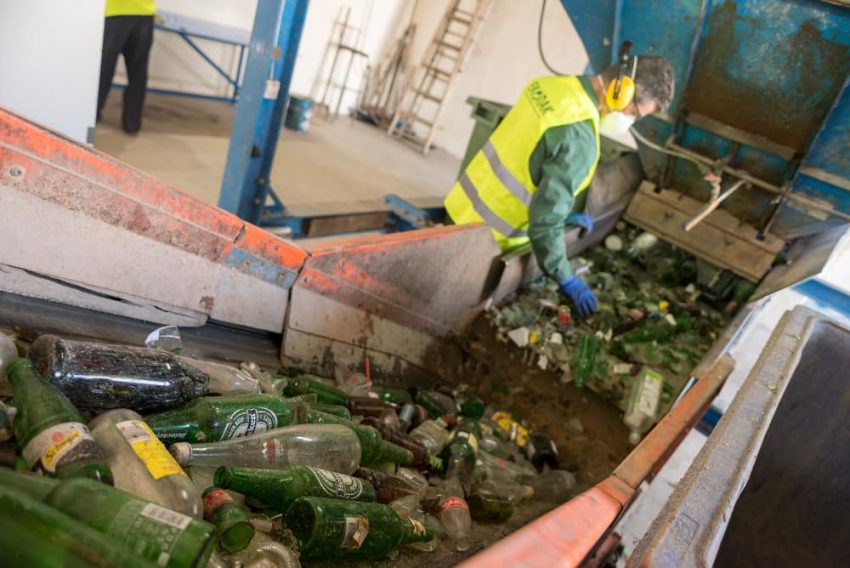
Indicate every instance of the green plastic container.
{"type": "Point", "coordinates": [488, 115]}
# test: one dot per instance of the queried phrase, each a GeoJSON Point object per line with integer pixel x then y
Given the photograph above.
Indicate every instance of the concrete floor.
{"type": "Point", "coordinates": [337, 166]}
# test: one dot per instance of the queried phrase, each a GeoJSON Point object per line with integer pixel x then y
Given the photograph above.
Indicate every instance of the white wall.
{"type": "Point", "coordinates": [50, 61]}
{"type": "Point", "coordinates": [503, 60]}
{"type": "Point", "coordinates": [174, 65]}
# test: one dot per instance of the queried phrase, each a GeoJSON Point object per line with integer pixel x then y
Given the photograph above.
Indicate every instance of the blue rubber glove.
{"type": "Point", "coordinates": [582, 220]}
{"type": "Point", "coordinates": [580, 294]}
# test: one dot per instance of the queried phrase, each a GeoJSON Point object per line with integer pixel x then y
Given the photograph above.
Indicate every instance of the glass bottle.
{"type": "Point", "coordinates": [374, 449]}
{"type": "Point", "coordinates": [460, 453]}
{"type": "Point", "coordinates": [553, 486]}
{"type": "Point", "coordinates": [366, 406]}
{"type": "Point", "coordinates": [161, 535]}
{"type": "Point", "coordinates": [406, 416]}
{"type": "Point", "coordinates": [328, 446]}
{"type": "Point", "coordinates": [140, 463]}
{"type": "Point", "coordinates": [541, 451]}
{"type": "Point", "coordinates": [453, 512]}
{"type": "Point", "coordinates": [437, 404]}
{"type": "Point", "coordinates": [98, 377]}
{"type": "Point", "coordinates": [224, 379]}
{"type": "Point", "coordinates": [264, 552]}
{"type": "Point", "coordinates": [642, 406]}
{"type": "Point", "coordinates": [334, 409]}
{"type": "Point", "coordinates": [328, 528]}
{"type": "Point", "coordinates": [279, 489]}
{"type": "Point", "coordinates": [394, 396]}
{"type": "Point", "coordinates": [584, 359]}
{"type": "Point", "coordinates": [217, 418]}
{"type": "Point", "coordinates": [326, 393]}
{"type": "Point", "coordinates": [8, 355]}
{"type": "Point", "coordinates": [235, 530]}
{"type": "Point", "coordinates": [490, 508]}
{"type": "Point", "coordinates": [390, 434]}
{"type": "Point", "coordinates": [50, 431]}
{"type": "Point", "coordinates": [35, 534]}
{"type": "Point", "coordinates": [432, 434]}
{"type": "Point", "coordinates": [470, 405]}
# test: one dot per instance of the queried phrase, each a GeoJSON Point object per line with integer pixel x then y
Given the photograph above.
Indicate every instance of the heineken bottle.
{"type": "Point", "coordinates": [326, 394]}
{"type": "Point", "coordinates": [161, 535]}
{"type": "Point", "coordinates": [329, 446]}
{"type": "Point", "coordinates": [216, 418]}
{"type": "Point", "coordinates": [140, 463]}
{"type": "Point", "coordinates": [328, 528]}
{"type": "Point", "coordinates": [235, 530]}
{"type": "Point", "coordinates": [374, 449]}
{"type": "Point", "coordinates": [98, 377]}
{"type": "Point", "coordinates": [50, 431]}
{"type": "Point", "coordinates": [34, 534]}
{"type": "Point", "coordinates": [279, 489]}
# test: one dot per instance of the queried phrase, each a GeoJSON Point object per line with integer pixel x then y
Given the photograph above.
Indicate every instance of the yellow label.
{"type": "Point", "coordinates": [149, 449]}
{"type": "Point", "coordinates": [59, 449]}
{"type": "Point", "coordinates": [50, 446]}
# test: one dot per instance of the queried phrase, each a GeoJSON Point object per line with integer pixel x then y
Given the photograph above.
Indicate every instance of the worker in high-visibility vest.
{"type": "Point", "coordinates": [127, 31]}
{"type": "Point", "coordinates": [530, 177]}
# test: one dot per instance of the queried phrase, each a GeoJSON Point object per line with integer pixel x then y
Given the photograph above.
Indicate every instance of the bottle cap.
{"type": "Point", "coordinates": [182, 452]}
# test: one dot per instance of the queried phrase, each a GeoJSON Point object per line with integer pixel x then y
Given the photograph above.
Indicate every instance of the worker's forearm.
{"type": "Point", "coordinates": [551, 252]}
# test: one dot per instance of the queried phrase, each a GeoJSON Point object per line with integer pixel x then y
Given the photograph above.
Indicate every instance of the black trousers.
{"type": "Point", "coordinates": [130, 36]}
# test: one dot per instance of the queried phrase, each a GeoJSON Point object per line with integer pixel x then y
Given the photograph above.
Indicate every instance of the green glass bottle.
{"type": "Point", "coordinates": [50, 431]}
{"type": "Point", "coordinates": [328, 528]}
{"type": "Point", "coordinates": [36, 535]}
{"type": "Point", "coordinates": [470, 405]}
{"type": "Point", "coordinates": [334, 409]}
{"type": "Point", "coordinates": [489, 508]}
{"type": "Point", "coordinates": [584, 359]}
{"type": "Point", "coordinates": [216, 418]}
{"type": "Point", "coordinates": [279, 489]}
{"type": "Point", "coordinates": [374, 449]}
{"type": "Point", "coordinates": [435, 403]}
{"type": "Point", "coordinates": [460, 453]}
{"type": "Point", "coordinates": [326, 393]}
{"type": "Point", "coordinates": [164, 536]}
{"type": "Point", "coordinates": [394, 396]}
{"type": "Point", "coordinates": [235, 530]}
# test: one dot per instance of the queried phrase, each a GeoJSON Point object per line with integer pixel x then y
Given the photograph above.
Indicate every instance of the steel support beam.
{"type": "Point", "coordinates": [259, 113]}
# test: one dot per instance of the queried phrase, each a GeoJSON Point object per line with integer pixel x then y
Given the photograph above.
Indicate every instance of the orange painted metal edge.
{"type": "Point", "coordinates": [388, 239]}
{"type": "Point", "coordinates": [43, 149]}
{"type": "Point", "coordinates": [567, 535]}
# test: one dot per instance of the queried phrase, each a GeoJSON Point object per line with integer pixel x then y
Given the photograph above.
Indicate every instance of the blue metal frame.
{"type": "Point", "coordinates": [187, 28]}
{"type": "Point", "coordinates": [256, 128]}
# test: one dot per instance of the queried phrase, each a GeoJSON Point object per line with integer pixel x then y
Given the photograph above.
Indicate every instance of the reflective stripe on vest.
{"type": "Point", "coordinates": [496, 186]}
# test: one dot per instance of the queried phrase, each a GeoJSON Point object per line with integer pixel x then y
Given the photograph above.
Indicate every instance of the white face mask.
{"type": "Point", "coordinates": [615, 125]}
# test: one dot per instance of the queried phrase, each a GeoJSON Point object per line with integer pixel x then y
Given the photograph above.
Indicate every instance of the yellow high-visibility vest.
{"type": "Point", "coordinates": [496, 188]}
{"type": "Point", "coordinates": [130, 8]}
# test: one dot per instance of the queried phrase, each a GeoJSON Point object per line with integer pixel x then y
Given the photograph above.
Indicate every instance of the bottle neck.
{"type": "Point", "coordinates": [33, 485]}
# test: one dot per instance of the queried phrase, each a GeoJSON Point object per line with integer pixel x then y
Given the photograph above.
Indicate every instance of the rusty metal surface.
{"type": "Point", "coordinates": [120, 235]}
{"type": "Point", "coordinates": [690, 528]}
{"type": "Point", "coordinates": [771, 67]}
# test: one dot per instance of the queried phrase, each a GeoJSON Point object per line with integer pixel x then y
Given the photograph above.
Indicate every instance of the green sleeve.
{"type": "Point", "coordinates": [559, 164]}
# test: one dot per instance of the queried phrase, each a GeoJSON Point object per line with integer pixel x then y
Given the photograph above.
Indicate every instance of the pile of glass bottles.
{"type": "Point", "coordinates": [653, 316]}
{"type": "Point", "coordinates": [114, 455]}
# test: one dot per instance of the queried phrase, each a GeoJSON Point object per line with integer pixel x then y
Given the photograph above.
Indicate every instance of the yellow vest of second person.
{"type": "Point", "coordinates": [496, 188]}
{"type": "Point", "coordinates": [130, 8]}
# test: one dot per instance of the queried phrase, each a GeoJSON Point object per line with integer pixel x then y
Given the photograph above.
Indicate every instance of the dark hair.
{"type": "Point", "coordinates": [654, 80]}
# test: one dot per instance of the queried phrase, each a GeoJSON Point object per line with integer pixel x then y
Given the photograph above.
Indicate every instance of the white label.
{"type": "Point", "coordinates": [650, 393]}
{"type": "Point", "coordinates": [622, 369]}
{"type": "Point", "coordinates": [51, 445]}
{"type": "Point", "coordinates": [272, 89]}
{"type": "Point", "coordinates": [133, 431]}
{"type": "Point", "coordinates": [166, 516]}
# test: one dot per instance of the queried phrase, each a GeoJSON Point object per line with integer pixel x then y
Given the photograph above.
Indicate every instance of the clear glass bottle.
{"type": "Point", "coordinates": [140, 463]}
{"type": "Point", "coordinates": [327, 446]}
{"type": "Point", "coordinates": [431, 434]}
{"type": "Point", "coordinates": [224, 379]}
{"type": "Point", "coordinates": [453, 512]}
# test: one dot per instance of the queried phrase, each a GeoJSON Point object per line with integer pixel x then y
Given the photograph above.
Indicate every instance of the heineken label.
{"type": "Point", "coordinates": [249, 421]}
{"type": "Point", "coordinates": [356, 531]}
{"type": "Point", "coordinates": [337, 485]}
{"type": "Point", "coordinates": [54, 443]}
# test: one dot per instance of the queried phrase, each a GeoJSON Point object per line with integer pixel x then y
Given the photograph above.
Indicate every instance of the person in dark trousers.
{"type": "Point", "coordinates": [128, 31]}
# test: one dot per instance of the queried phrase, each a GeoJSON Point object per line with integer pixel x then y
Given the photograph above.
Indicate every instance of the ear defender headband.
{"type": "Point", "coordinates": [621, 91]}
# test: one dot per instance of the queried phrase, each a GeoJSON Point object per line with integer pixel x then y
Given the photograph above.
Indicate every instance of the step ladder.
{"type": "Point", "coordinates": [426, 91]}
